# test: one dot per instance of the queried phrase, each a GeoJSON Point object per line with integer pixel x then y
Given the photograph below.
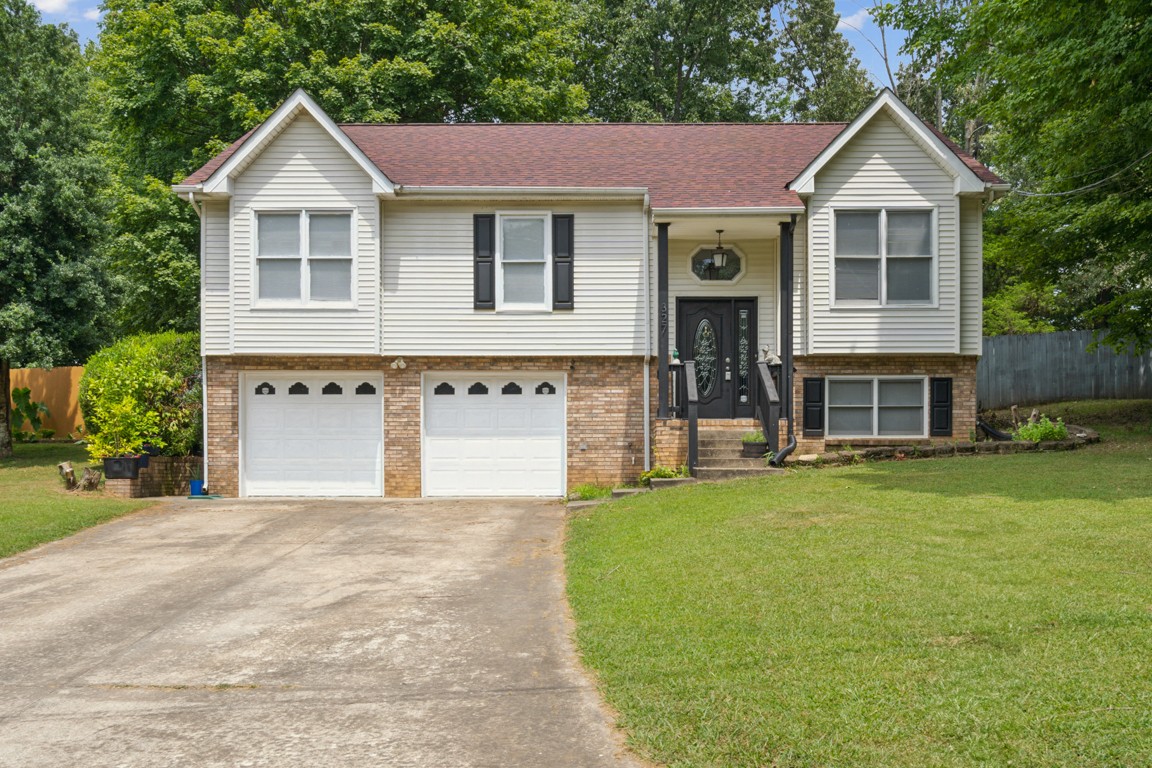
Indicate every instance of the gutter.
{"type": "Point", "coordinates": [786, 316]}
{"type": "Point", "coordinates": [753, 211]}
{"type": "Point", "coordinates": [578, 193]}
{"type": "Point", "coordinates": [648, 222]}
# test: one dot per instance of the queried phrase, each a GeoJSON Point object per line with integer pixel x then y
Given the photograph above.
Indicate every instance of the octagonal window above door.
{"type": "Point", "coordinates": [705, 269]}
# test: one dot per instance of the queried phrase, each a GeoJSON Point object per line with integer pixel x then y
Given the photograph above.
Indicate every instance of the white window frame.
{"type": "Point", "coordinates": [883, 210]}
{"type": "Point", "coordinates": [501, 305]}
{"type": "Point", "coordinates": [875, 434]}
{"type": "Point", "coordinates": [305, 300]}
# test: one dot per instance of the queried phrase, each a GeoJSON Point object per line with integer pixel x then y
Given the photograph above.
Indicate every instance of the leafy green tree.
{"type": "Point", "coordinates": [680, 60]}
{"type": "Point", "coordinates": [825, 80]}
{"type": "Point", "coordinates": [52, 293]}
{"type": "Point", "coordinates": [186, 76]}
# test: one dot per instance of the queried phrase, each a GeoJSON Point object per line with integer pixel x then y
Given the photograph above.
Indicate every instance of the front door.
{"type": "Point", "coordinates": [720, 336]}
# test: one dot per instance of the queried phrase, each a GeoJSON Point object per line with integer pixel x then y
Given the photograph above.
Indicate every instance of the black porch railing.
{"type": "Point", "coordinates": [692, 398]}
{"type": "Point", "coordinates": [768, 403]}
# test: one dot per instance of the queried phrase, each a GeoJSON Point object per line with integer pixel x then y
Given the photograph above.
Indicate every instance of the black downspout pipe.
{"type": "Point", "coordinates": [786, 231]}
{"type": "Point", "coordinates": [662, 309]}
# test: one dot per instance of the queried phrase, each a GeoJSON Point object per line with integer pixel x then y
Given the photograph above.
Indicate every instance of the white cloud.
{"type": "Point", "coordinates": [92, 14]}
{"type": "Point", "coordinates": [52, 6]}
{"type": "Point", "coordinates": [854, 22]}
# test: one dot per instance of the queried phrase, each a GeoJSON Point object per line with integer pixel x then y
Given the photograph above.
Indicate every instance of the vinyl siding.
{"type": "Point", "coordinates": [428, 282]}
{"type": "Point", "coordinates": [800, 287]}
{"type": "Point", "coordinates": [758, 281]}
{"type": "Point", "coordinates": [215, 302]}
{"type": "Point", "coordinates": [971, 276]}
{"type": "Point", "coordinates": [305, 169]}
{"type": "Point", "coordinates": [883, 167]}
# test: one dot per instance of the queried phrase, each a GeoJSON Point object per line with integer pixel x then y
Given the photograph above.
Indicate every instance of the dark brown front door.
{"type": "Point", "coordinates": [720, 336]}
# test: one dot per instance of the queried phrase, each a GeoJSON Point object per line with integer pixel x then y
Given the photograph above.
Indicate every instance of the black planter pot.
{"type": "Point", "coordinates": [754, 450]}
{"type": "Point", "coordinates": [122, 468]}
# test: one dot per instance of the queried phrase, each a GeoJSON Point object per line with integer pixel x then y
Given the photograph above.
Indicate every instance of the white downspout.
{"type": "Point", "coordinates": [647, 335]}
{"type": "Point", "coordinates": [203, 358]}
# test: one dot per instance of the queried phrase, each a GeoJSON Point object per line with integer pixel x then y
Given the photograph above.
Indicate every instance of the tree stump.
{"type": "Point", "coordinates": [68, 474]}
{"type": "Point", "coordinates": [91, 479]}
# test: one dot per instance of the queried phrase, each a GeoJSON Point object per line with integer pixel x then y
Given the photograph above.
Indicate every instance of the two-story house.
{"type": "Point", "coordinates": [501, 309]}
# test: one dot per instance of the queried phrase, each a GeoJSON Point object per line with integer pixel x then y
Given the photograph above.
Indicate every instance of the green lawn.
{"type": "Point", "coordinates": [973, 611]}
{"type": "Point", "coordinates": [35, 508]}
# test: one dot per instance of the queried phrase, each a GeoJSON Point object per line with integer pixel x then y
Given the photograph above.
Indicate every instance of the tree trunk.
{"type": "Point", "coordinates": [5, 410]}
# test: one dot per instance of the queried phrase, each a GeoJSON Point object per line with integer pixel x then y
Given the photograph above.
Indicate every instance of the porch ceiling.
{"type": "Point", "coordinates": [736, 227]}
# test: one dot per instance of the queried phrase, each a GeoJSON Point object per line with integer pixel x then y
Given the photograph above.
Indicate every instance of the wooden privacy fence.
{"type": "Point", "coordinates": [1050, 367]}
{"type": "Point", "coordinates": [57, 388]}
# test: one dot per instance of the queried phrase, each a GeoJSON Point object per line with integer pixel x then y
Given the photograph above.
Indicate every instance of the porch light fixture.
{"type": "Point", "coordinates": [719, 253]}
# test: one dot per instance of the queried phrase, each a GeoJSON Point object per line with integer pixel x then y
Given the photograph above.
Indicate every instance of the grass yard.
{"type": "Point", "coordinates": [35, 508]}
{"type": "Point", "coordinates": [983, 610]}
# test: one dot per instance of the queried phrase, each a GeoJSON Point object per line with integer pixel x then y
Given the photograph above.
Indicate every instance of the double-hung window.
{"type": "Point", "coordinates": [879, 407]}
{"type": "Point", "coordinates": [304, 257]}
{"type": "Point", "coordinates": [524, 252]}
{"type": "Point", "coordinates": [884, 257]}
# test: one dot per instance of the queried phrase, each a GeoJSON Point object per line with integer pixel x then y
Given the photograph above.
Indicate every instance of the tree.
{"type": "Point", "coordinates": [51, 290]}
{"type": "Point", "coordinates": [825, 80]}
{"type": "Point", "coordinates": [680, 60]}
{"type": "Point", "coordinates": [184, 77]}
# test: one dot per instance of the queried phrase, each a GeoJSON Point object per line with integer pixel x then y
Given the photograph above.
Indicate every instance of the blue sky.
{"type": "Point", "coordinates": [855, 23]}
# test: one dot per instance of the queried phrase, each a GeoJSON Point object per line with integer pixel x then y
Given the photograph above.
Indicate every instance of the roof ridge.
{"type": "Point", "coordinates": [598, 125]}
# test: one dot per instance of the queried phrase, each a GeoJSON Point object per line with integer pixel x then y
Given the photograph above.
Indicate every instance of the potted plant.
{"type": "Point", "coordinates": [124, 430]}
{"type": "Point", "coordinates": [755, 446]}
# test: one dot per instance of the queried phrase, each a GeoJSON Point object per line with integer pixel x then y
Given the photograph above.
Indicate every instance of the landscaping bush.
{"type": "Point", "coordinates": [144, 389]}
{"type": "Point", "coordinates": [661, 472]}
{"type": "Point", "coordinates": [1044, 429]}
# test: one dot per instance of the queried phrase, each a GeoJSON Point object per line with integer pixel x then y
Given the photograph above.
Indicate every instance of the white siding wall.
{"type": "Point", "coordinates": [800, 301]}
{"type": "Point", "coordinates": [971, 276]}
{"type": "Point", "coordinates": [215, 300]}
{"type": "Point", "coordinates": [882, 166]}
{"type": "Point", "coordinates": [427, 285]}
{"type": "Point", "coordinates": [758, 281]}
{"type": "Point", "coordinates": [305, 168]}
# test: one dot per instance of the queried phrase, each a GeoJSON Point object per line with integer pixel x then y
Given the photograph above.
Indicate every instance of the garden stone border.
{"type": "Point", "coordinates": [1078, 437]}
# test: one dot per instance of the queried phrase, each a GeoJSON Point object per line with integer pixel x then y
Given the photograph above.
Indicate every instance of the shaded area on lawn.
{"type": "Point", "coordinates": [35, 508]}
{"type": "Point", "coordinates": [980, 610]}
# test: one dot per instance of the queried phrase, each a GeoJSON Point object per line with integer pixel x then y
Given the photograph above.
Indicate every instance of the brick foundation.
{"type": "Point", "coordinates": [605, 425]}
{"type": "Point", "coordinates": [164, 476]}
{"type": "Point", "coordinates": [961, 369]}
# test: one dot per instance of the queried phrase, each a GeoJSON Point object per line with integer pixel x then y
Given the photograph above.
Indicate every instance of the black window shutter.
{"type": "Point", "coordinates": [813, 407]}
{"type": "Point", "coordinates": [562, 293]}
{"type": "Point", "coordinates": [940, 400]}
{"type": "Point", "coordinates": [484, 261]}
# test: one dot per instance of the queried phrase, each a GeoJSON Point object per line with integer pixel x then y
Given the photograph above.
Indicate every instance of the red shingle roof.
{"type": "Point", "coordinates": [682, 165]}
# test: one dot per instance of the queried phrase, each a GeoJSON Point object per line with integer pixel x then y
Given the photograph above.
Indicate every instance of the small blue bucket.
{"type": "Point", "coordinates": [197, 487]}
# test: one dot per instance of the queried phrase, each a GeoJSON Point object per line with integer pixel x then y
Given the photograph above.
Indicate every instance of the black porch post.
{"type": "Point", "coordinates": [662, 308]}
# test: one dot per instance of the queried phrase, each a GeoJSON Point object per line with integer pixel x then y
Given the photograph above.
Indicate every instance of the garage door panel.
{"type": "Point", "coordinates": [509, 442]}
{"type": "Point", "coordinates": [312, 444]}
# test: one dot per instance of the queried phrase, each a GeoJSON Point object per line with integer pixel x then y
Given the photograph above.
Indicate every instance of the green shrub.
{"type": "Point", "coordinates": [753, 437]}
{"type": "Point", "coordinates": [145, 389]}
{"type": "Point", "coordinates": [661, 471]}
{"type": "Point", "coordinates": [590, 491]}
{"type": "Point", "coordinates": [26, 410]}
{"type": "Point", "coordinates": [1044, 429]}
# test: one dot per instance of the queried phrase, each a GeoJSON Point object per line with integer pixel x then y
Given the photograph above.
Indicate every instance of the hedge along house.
{"type": "Point", "coordinates": [500, 309]}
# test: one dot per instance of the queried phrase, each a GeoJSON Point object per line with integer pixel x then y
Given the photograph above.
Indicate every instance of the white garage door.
{"type": "Point", "coordinates": [312, 434]}
{"type": "Point", "coordinates": [494, 434]}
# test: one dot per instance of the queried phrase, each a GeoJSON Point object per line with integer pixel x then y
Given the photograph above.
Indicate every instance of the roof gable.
{"type": "Point", "coordinates": [217, 175]}
{"type": "Point", "coordinates": [966, 177]}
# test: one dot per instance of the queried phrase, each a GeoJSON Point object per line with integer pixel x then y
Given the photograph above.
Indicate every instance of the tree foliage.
{"type": "Point", "coordinates": [824, 78]}
{"type": "Point", "coordinates": [51, 293]}
{"type": "Point", "coordinates": [186, 76]}
{"type": "Point", "coordinates": [680, 60]}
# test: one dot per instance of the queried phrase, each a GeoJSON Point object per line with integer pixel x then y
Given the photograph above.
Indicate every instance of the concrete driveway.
{"type": "Point", "coordinates": [298, 633]}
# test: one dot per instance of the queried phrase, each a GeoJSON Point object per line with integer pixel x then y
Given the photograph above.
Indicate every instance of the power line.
{"type": "Point", "coordinates": [1087, 187]}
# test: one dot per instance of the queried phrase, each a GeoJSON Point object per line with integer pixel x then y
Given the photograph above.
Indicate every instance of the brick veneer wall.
{"type": "Point", "coordinates": [961, 368]}
{"type": "Point", "coordinates": [164, 476]}
{"type": "Point", "coordinates": [605, 412]}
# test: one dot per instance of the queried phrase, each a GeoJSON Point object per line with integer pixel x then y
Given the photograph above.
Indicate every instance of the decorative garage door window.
{"type": "Point", "coordinates": [299, 388]}
{"type": "Point", "coordinates": [511, 388]}
{"type": "Point", "coordinates": [332, 388]}
{"type": "Point", "coordinates": [366, 389]}
{"type": "Point", "coordinates": [265, 389]}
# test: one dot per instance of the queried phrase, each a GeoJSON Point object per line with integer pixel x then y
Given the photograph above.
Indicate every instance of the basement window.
{"type": "Point", "coordinates": [877, 407]}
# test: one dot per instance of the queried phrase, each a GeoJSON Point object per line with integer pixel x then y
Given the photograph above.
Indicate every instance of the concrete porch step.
{"type": "Point", "coordinates": [711, 474]}
{"type": "Point", "coordinates": [733, 450]}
